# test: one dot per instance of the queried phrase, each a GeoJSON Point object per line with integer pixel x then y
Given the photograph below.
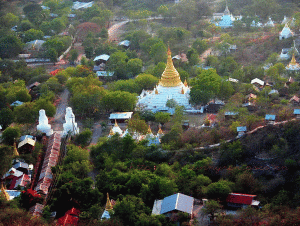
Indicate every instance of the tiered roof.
{"type": "Point", "coordinates": [50, 160]}
{"type": "Point", "coordinates": [293, 65]}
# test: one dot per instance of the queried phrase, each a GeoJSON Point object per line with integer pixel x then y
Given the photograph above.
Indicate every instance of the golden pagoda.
{"type": "Point", "coordinates": [293, 65]}
{"type": "Point", "coordinates": [4, 192]}
{"type": "Point", "coordinates": [170, 77]}
{"type": "Point", "coordinates": [111, 132]}
{"type": "Point", "coordinates": [160, 130]}
{"type": "Point", "coordinates": [16, 153]}
{"type": "Point", "coordinates": [149, 130]}
{"type": "Point", "coordinates": [108, 205]}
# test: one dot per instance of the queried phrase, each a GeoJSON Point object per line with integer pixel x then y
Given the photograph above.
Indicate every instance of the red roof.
{"type": "Point", "coordinates": [240, 198]}
{"type": "Point", "coordinates": [70, 218]}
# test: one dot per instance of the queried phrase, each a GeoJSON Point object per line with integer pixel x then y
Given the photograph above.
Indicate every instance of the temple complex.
{"type": "Point", "coordinates": [169, 87]}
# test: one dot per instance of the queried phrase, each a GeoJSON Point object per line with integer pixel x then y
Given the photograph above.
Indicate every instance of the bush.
{"type": "Point", "coordinates": [84, 137]}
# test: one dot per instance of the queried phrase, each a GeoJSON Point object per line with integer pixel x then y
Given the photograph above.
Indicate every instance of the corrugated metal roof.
{"type": "Point", "coordinates": [241, 129]}
{"type": "Point", "coordinates": [179, 202]}
{"type": "Point", "coordinates": [121, 115]}
{"type": "Point", "coordinates": [270, 117]}
{"type": "Point", "coordinates": [27, 141]}
{"type": "Point", "coordinates": [102, 57]}
{"type": "Point", "coordinates": [240, 198]}
{"type": "Point", "coordinates": [297, 111]}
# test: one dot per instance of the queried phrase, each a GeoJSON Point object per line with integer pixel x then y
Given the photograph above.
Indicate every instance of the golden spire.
{"type": "Point", "coordinates": [111, 132]}
{"type": "Point", "coordinates": [160, 130]}
{"type": "Point", "coordinates": [156, 92]}
{"type": "Point", "coordinates": [16, 153]}
{"type": "Point", "coordinates": [116, 124]}
{"type": "Point", "coordinates": [149, 130]}
{"type": "Point", "coordinates": [170, 77]}
{"type": "Point", "coordinates": [4, 192]}
{"type": "Point", "coordinates": [185, 83]}
{"type": "Point", "coordinates": [293, 61]}
{"type": "Point", "coordinates": [108, 205]}
{"type": "Point", "coordinates": [182, 90]}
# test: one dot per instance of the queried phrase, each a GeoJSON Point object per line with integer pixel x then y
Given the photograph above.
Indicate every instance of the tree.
{"type": "Point", "coordinates": [218, 190]}
{"type": "Point", "coordinates": [84, 137]}
{"type": "Point", "coordinates": [73, 56]}
{"type": "Point", "coordinates": [57, 25]}
{"type": "Point", "coordinates": [138, 125]}
{"type": "Point", "coordinates": [45, 104]}
{"type": "Point", "coordinates": [193, 57]}
{"type": "Point", "coordinates": [211, 207]}
{"type": "Point", "coordinates": [52, 55]}
{"type": "Point", "coordinates": [146, 82]}
{"type": "Point", "coordinates": [33, 34]}
{"type": "Point", "coordinates": [205, 86]}
{"type": "Point", "coordinates": [119, 101]}
{"type": "Point", "coordinates": [9, 20]}
{"type": "Point", "coordinates": [171, 103]}
{"type": "Point", "coordinates": [6, 117]}
{"type": "Point", "coordinates": [10, 46]}
{"type": "Point", "coordinates": [200, 45]}
{"type": "Point", "coordinates": [25, 113]}
{"type": "Point", "coordinates": [6, 152]}
{"type": "Point", "coordinates": [158, 52]}
{"type": "Point", "coordinates": [25, 25]}
{"type": "Point", "coordinates": [134, 67]}
{"type": "Point", "coordinates": [162, 117]}
{"type": "Point", "coordinates": [34, 13]}
{"type": "Point", "coordinates": [10, 134]}
{"type": "Point", "coordinates": [186, 12]}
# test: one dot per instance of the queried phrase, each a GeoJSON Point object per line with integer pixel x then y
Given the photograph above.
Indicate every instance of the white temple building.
{"type": "Point", "coordinates": [169, 87]}
{"type": "Point", "coordinates": [70, 126]}
{"type": "Point", "coordinates": [286, 53]}
{"type": "Point", "coordinates": [286, 33]}
{"type": "Point", "coordinates": [285, 20]}
{"type": "Point", "coordinates": [293, 65]}
{"type": "Point", "coordinates": [43, 125]}
{"type": "Point", "coordinates": [270, 23]}
{"type": "Point", "coordinates": [226, 20]}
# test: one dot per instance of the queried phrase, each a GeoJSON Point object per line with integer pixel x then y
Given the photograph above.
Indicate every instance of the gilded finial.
{"type": "Point", "coordinates": [116, 124]}
{"type": "Point", "coordinates": [4, 192]}
{"type": "Point", "coordinates": [156, 91]}
{"type": "Point", "coordinates": [108, 205]}
{"type": "Point", "coordinates": [182, 90]}
{"type": "Point", "coordinates": [185, 83]}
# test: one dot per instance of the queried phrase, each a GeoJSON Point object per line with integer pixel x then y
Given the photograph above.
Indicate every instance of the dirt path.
{"type": "Point", "coordinates": [97, 131]}
{"type": "Point", "coordinates": [59, 118]}
{"type": "Point", "coordinates": [114, 31]}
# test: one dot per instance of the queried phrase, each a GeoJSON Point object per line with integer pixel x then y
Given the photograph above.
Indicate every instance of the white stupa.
{"type": "Point", "coordinates": [286, 33]}
{"type": "Point", "coordinates": [43, 125]}
{"type": "Point", "coordinates": [70, 125]}
{"type": "Point", "coordinates": [117, 129]}
{"type": "Point", "coordinates": [227, 19]}
{"type": "Point", "coordinates": [169, 87]}
{"type": "Point", "coordinates": [270, 23]}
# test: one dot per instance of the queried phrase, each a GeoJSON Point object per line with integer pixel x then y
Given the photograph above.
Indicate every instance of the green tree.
{"type": "Point", "coordinates": [10, 46]}
{"type": "Point", "coordinates": [9, 20]}
{"type": "Point", "coordinates": [10, 134]}
{"type": "Point", "coordinates": [145, 81]}
{"type": "Point", "coordinates": [137, 125]}
{"type": "Point", "coordinates": [34, 13]}
{"type": "Point", "coordinates": [33, 34]}
{"type": "Point", "coordinates": [25, 113]}
{"type": "Point", "coordinates": [57, 25]}
{"type": "Point", "coordinates": [84, 137]}
{"type": "Point", "coordinates": [205, 86]}
{"type": "Point", "coordinates": [45, 104]}
{"type": "Point", "coordinates": [6, 117]}
{"type": "Point", "coordinates": [200, 45]}
{"type": "Point", "coordinates": [211, 207]}
{"type": "Point", "coordinates": [219, 190]}
{"type": "Point", "coordinates": [193, 57]}
{"type": "Point", "coordinates": [158, 52]}
{"type": "Point", "coordinates": [162, 117]}
{"type": "Point", "coordinates": [25, 25]}
{"type": "Point", "coordinates": [6, 152]}
{"type": "Point", "coordinates": [52, 55]}
{"type": "Point", "coordinates": [73, 56]}
{"type": "Point", "coordinates": [186, 12]}
{"type": "Point", "coordinates": [119, 101]}
{"type": "Point", "coordinates": [134, 67]}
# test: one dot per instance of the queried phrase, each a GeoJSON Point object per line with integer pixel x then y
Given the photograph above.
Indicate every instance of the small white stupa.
{"type": "Point", "coordinates": [285, 33]}
{"type": "Point", "coordinates": [70, 125]}
{"type": "Point", "coordinates": [270, 23]}
{"type": "Point", "coordinates": [43, 125]}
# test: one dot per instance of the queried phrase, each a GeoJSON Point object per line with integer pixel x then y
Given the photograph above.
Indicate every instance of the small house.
{"type": "Point", "coordinates": [295, 100]}
{"type": "Point", "coordinates": [297, 113]}
{"type": "Point", "coordinates": [214, 106]}
{"type": "Point", "coordinates": [257, 82]}
{"type": "Point", "coordinates": [124, 43]}
{"type": "Point", "coordinates": [270, 119]}
{"type": "Point", "coordinates": [236, 200]}
{"type": "Point", "coordinates": [230, 114]}
{"type": "Point", "coordinates": [173, 204]}
{"type": "Point", "coordinates": [27, 144]}
{"type": "Point", "coordinates": [120, 117]}
{"type": "Point", "coordinates": [101, 59]}
{"type": "Point", "coordinates": [241, 130]}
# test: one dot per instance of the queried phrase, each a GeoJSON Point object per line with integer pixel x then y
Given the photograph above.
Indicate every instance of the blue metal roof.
{"type": "Point", "coordinates": [270, 117]}
{"type": "Point", "coordinates": [231, 113]}
{"type": "Point", "coordinates": [179, 202]}
{"type": "Point", "coordinates": [297, 111]}
{"type": "Point", "coordinates": [241, 129]}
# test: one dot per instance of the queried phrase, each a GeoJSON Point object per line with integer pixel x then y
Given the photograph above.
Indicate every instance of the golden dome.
{"type": "Point", "coordinates": [170, 77]}
{"type": "Point", "coordinates": [108, 205]}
